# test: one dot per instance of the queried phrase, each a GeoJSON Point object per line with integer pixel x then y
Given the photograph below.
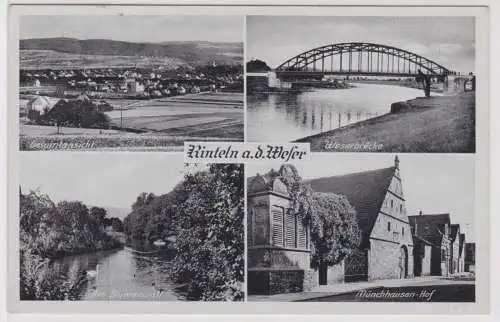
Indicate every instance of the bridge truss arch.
{"type": "Point", "coordinates": [360, 58]}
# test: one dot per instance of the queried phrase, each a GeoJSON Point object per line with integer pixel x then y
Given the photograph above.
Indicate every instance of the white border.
{"type": "Point", "coordinates": [482, 171]}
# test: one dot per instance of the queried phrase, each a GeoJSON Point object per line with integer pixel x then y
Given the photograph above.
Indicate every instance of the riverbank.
{"type": "Point", "coordinates": [435, 88]}
{"type": "Point", "coordinates": [435, 124]}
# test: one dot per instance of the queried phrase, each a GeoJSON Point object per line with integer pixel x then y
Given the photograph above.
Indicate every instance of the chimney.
{"type": "Point", "coordinates": [396, 162]}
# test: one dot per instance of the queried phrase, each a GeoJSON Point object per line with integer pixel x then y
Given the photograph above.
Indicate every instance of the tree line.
{"type": "Point", "coordinates": [74, 113]}
{"type": "Point", "coordinates": [202, 220]}
{"type": "Point", "coordinates": [49, 231]}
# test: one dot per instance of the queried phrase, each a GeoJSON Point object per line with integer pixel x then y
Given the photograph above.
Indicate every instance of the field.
{"type": "Point", "coordinates": [207, 114]}
{"type": "Point", "coordinates": [161, 124]}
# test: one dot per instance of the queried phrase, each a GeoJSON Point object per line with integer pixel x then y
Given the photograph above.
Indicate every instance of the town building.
{"type": "Point", "coordinates": [455, 248]}
{"type": "Point", "coordinates": [42, 104]}
{"type": "Point", "coordinates": [461, 260]}
{"type": "Point", "coordinates": [432, 232]}
{"type": "Point", "coordinates": [470, 257]}
{"type": "Point", "coordinates": [386, 249]}
{"type": "Point", "coordinates": [279, 248]}
{"type": "Point", "coordinates": [279, 245]}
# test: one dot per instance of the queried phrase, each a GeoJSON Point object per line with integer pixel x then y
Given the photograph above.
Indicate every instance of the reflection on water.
{"type": "Point", "coordinates": [290, 116]}
{"type": "Point", "coordinates": [123, 275]}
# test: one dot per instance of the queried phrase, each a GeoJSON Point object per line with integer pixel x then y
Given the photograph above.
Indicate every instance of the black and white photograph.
{"type": "Point", "coordinates": [129, 83]}
{"type": "Point", "coordinates": [103, 227]}
{"type": "Point", "coordinates": [362, 84]}
{"type": "Point", "coordinates": [376, 228]}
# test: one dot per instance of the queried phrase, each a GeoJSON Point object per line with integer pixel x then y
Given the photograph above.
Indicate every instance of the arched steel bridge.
{"type": "Point", "coordinates": [359, 58]}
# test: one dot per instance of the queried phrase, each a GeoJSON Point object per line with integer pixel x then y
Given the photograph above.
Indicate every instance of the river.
{"type": "Point", "coordinates": [284, 117]}
{"type": "Point", "coordinates": [124, 275]}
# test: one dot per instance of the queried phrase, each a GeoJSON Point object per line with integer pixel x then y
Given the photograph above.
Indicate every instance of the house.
{"type": "Point", "coordinates": [422, 251]}
{"type": "Point", "coordinates": [470, 257]}
{"type": "Point", "coordinates": [386, 249]}
{"type": "Point", "coordinates": [279, 250]}
{"type": "Point", "coordinates": [434, 229]}
{"type": "Point", "coordinates": [461, 253]}
{"type": "Point", "coordinates": [41, 104]}
{"type": "Point", "coordinates": [279, 245]}
{"type": "Point", "coordinates": [455, 248]}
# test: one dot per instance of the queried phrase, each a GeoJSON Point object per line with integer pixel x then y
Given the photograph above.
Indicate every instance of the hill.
{"type": "Point", "coordinates": [106, 51]}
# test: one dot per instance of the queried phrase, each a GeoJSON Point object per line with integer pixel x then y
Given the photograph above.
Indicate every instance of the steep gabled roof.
{"type": "Point", "coordinates": [430, 227]}
{"type": "Point", "coordinates": [267, 182]}
{"type": "Point", "coordinates": [365, 191]}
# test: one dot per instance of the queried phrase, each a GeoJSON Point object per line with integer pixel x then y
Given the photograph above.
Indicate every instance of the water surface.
{"type": "Point", "coordinates": [284, 117]}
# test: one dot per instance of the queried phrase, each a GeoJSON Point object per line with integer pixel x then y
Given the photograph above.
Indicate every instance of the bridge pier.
{"type": "Point", "coordinates": [275, 82]}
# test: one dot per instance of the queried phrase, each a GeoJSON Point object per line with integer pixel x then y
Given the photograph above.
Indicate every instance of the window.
{"type": "Point", "coordinates": [401, 208]}
{"type": "Point", "coordinates": [392, 203]}
{"type": "Point", "coordinates": [277, 226]}
{"type": "Point", "coordinates": [260, 226]}
{"type": "Point", "coordinates": [290, 229]}
{"type": "Point", "coordinates": [402, 231]}
{"type": "Point", "coordinates": [389, 226]}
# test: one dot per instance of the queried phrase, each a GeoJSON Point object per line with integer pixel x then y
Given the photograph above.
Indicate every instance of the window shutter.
{"type": "Point", "coordinates": [290, 235]}
{"type": "Point", "coordinates": [278, 226]}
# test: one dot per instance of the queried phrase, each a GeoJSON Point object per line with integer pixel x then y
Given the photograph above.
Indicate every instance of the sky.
{"type": "Point", "coordinates": [134, 28]}
{"type": "Point", "coordinates": [448, 41]}
{"type": "Point", "coordinates": [100, 179]}
{"type": "Point", "coordinates": [431, 183]}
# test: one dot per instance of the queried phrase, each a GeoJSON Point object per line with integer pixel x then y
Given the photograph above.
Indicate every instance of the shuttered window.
{"type": "Point", "coordinates": [260, 227]}
{"type": "Point", "coordinates": [301, 234]}
{"type": "Point", "coordinates": [277, 214]}
{"type": "Point", "coordinates": [290, 229]}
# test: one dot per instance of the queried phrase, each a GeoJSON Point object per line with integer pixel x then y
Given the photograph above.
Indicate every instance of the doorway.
{"type": "Point", "coordinates": [323, 274]}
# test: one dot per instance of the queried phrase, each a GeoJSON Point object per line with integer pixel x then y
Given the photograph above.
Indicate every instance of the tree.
{"type": "Point", "coordinates": [117, 224]}
{"type": "Point", "coordinates": [48, 231]}
{"type": "Point", "coordinates": [98, 214]}
{"type": "Point", "coordinates": [60, 114]}
{"type": "Point", "coordinates": [204, 215]}
{"type": "Point", "coordinates": [76, 113]}
{"type": "Point", "coordinates": [210, 243]}
{"type": "Point", "coordinates": [256, 65]}
{"type": "Point", "coordinates": [334, 229]}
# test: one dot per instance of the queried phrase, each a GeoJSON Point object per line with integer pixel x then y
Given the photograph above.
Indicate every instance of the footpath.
{"type": "Point", "coordinates": [341, 288]}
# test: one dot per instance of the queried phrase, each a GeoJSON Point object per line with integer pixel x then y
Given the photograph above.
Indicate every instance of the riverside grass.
{"type": "Point", "coordinates": [444, 124]}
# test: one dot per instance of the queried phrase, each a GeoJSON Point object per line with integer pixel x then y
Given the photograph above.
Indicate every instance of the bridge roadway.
{"type": "Point", "coordinates": [320, 74]}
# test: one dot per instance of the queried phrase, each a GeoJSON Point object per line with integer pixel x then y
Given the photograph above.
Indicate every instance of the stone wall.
{"type": "Point", "coordinates": [311, 279]}
{"type": "Point", "coordinates": [383, 260]}
{"type": "Point", "coordinates": [335, 274]}
{"type": "Point", "coordinates": [275, 281]}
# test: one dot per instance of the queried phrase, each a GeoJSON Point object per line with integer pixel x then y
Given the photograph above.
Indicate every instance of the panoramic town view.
{"type": "Point", "coordinates": [353, 84]}
{"type": "Point", "coordinates": [96, 227]}
{"type": "Point", "coordinates": [362, 230]}
{"type": "Point", "coordinates": [91, 84]}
